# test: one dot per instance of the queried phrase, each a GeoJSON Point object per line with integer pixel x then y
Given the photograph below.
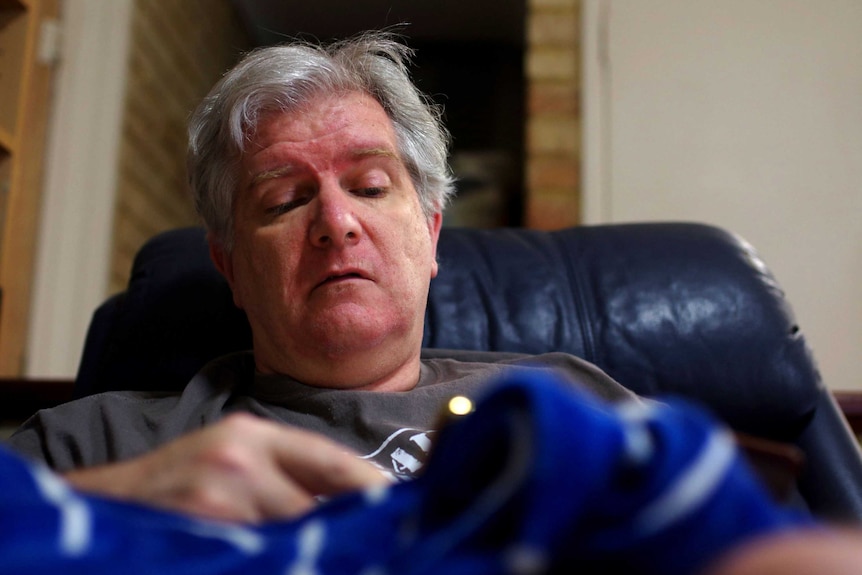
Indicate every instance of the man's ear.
{"type": "Point", "coordinates": [224, 264]}
{"type": "Point", "coordinates": [434, 225]}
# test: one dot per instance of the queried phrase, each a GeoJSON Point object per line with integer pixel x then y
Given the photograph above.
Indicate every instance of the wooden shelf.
{"type": "Point", "coordinates": [7, 145]}
{"type": "Point", "coordinates": [13, 44]}
{"type": "Point", "coordinates": [24, 103]}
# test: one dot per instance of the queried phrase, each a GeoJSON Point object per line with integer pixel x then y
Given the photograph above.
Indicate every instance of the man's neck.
{"type": "Point", "coordinates": [384, 372]}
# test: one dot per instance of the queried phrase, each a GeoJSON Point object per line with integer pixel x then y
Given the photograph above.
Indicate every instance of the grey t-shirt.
{"type": "Point", "coordinates": [392, 429]}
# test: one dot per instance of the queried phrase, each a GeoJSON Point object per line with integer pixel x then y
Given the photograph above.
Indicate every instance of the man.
{"type": "Point", "coordinates": [321, 176]}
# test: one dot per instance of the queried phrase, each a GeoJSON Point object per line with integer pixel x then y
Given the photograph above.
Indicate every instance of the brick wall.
{"type": "Point", "coordinates": [553, 147]}
{"type": "Point", "coordinates": [179, 48]}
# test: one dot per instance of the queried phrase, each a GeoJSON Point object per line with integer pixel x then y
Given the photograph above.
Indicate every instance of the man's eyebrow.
{"type": "Point", "coordinates": [288, 169]}
{"type": "Point", "coordinates": [374, 152]}
{"type": "Point", "coordinates": [279, 172]}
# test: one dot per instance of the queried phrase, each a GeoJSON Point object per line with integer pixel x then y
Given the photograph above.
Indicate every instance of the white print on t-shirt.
{"type": "Point", "coordinates": [403, 453]}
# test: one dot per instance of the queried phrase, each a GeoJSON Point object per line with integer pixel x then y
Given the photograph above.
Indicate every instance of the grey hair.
{"type": "Point", "coordinates": [286, 77]}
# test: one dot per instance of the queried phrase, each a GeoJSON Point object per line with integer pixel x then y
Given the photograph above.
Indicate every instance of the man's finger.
{"type": "Point", "coordinates": [323, 467]}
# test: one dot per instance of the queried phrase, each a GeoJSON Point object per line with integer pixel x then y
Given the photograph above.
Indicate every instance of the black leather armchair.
{"type": "Point", "coordinates": [681, 309]}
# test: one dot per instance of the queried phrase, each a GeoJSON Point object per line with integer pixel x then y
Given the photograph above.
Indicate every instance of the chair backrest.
{"type": "Point", "coordinates": [665, 308]}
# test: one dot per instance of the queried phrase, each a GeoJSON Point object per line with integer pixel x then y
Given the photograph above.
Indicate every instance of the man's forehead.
{"type": "Point", "coordinates": [354, 112]}
{"type": "Point", "coordinates": [347, 128]}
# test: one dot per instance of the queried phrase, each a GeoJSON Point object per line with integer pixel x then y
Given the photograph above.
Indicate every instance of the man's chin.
{"type": "Point", "coordinates": [351, 334]}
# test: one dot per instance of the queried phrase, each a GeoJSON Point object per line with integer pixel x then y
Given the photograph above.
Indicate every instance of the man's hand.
{"type": "Point", "coordinates": [241, 469]}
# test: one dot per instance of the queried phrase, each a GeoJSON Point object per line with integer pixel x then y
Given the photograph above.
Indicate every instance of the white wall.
{"type": "Point", "coordinates": [73, 252]}
{"type": "Point", "coordinates": [746, 114]}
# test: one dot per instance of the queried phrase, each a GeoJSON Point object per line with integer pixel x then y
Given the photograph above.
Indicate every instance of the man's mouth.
{"type": "Point", "coordinates": [339, 277]}
{"type": "Point", "coordinates": [342, 277]}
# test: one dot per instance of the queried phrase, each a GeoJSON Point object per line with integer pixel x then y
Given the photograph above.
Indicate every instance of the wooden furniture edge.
{"type": "Point", "coordinates": [22, 397]}
{"type": "Point", "coordinates": [850, 403]}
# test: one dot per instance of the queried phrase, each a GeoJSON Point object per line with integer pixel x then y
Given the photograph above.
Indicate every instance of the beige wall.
{"type": "Point", "coordinates": [73, 247]}
{"type": "Point", "coordinates": [746, 115]}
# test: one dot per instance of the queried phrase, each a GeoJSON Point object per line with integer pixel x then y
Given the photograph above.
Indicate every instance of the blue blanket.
{"type": "Point", "coordinates": [539, 479]}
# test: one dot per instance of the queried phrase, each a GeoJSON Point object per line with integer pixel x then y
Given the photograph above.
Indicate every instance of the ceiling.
{"type": "Point", "coordinates": [496, 21]}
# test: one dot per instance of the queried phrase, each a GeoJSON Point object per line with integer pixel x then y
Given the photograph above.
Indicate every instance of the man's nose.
{"type": "Point", "coordinates": [334, 221]}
